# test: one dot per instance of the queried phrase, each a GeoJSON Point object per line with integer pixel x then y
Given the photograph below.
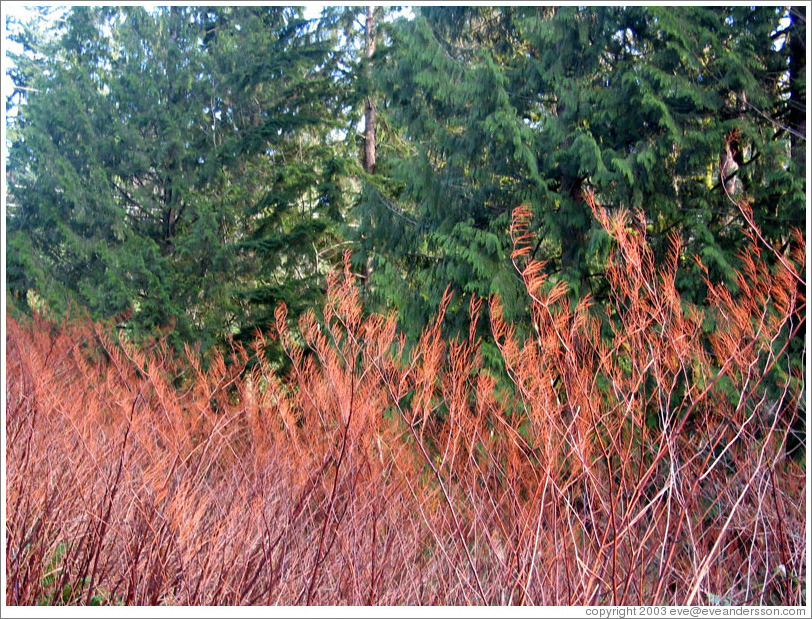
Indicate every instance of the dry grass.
{"type": "Point", "coordinates": [639, 461]}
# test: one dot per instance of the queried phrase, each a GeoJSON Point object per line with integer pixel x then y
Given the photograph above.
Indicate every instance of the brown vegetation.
{"type": "Point", "coordinates": [637, 459]}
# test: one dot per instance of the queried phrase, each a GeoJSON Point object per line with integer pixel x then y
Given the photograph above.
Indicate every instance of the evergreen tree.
{"type": "Point", "coordinates": [441, 214]}
{"type": "Point", "coordinates": [175, 166]}
{"type": "Point", "coordinates": [361, 38]}
{"type": "Point", "coordinates": [286, 162]}
{"type": "Point", "coordinates": [196, 166]}
{"type": "Point", "coordinates": [508, 105]}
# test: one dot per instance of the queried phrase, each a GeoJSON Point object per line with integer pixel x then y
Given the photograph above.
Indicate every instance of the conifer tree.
{"type": "Point", "coordinates": [195, 166]}
{"type": "Point", "coordinates": [652, 108]}
{"type": "Point", "coordinates": [175, 167]}
{"type": "Point", "coordinates": [285, 159]}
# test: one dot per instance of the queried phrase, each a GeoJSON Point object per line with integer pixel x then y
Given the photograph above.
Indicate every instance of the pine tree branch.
{"type": "Point", "coordinates": [132, 201]}
{"type": "Point", "coordinates": [394, 209]}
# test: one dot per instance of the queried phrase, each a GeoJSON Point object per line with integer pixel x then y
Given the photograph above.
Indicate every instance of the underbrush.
{"type": "Point", "coordinates": [637, 460]}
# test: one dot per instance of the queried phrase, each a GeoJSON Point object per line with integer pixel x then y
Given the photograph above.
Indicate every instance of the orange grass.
{"type": "Point", "coordinates": [638, 461]}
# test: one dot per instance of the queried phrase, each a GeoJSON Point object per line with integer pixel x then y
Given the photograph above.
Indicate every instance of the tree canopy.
{"type": "Point", "coordinates": [501, 106]}
{"type": "Point", "coordinates": [193, 167]}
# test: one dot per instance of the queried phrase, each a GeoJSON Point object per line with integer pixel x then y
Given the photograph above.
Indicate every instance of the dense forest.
{"type": "Point", "coordinates": [436, 305]}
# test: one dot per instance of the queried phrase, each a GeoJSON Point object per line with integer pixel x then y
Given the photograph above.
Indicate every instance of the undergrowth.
{"type": "Point", "coordinates": [640, 459]}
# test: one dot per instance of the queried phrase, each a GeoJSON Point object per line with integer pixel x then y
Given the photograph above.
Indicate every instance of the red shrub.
{"type": "Point", "coordinates": [636, 462]}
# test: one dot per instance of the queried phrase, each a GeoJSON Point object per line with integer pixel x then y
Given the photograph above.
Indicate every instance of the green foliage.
{"type": "Point", "coordinates": [58, 590]}
{"type": "Point", "coordinates": [510, 105]}
{"type": "Point", "coordinates": [175, 168]}
{"type": "Point", "coordinates": [195, 167]}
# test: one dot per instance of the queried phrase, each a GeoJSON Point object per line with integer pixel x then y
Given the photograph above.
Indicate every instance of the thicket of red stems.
{"type": "Point", "coordinates": [634, 460]}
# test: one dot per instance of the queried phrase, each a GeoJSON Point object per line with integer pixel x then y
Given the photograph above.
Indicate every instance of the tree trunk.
{"type": "Point", "coordinates": [369, 106]}
{"type": "Point", "coordinates": [797, 91]}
